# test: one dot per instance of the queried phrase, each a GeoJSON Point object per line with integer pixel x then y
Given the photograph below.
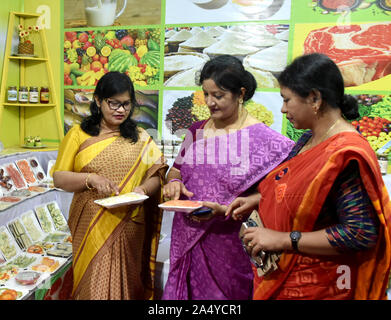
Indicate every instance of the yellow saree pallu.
{"type": "Point", "coordinates": [114, 249]}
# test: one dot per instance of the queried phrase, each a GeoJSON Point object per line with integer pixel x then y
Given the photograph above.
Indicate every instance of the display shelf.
{"type": "Point", "coordinates": [28, 58]}
{"type": "Point", "coordinates": [17, 210]}
{"type": "Point", "coordinates": [32, 105]}
{"type": "Point", "coordinates": [25, 65]}
{"type": "Point", "coordinates": [26, 15]}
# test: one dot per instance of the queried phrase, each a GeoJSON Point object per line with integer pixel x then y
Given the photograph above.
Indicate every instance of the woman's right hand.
{"type": "Point", "coordinates": [173, 190]}
{"type": "Point", "coordinates": [242, 207]}
{"type": "Point", "coordinates": [102, 185]}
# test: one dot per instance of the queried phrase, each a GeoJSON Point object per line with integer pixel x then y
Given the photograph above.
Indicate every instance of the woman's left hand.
{"type": "Point", "coordinates": [258, 238]}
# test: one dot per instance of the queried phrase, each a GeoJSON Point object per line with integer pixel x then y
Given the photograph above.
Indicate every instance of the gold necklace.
{"type": "Point", "coordinates": [309, 142]}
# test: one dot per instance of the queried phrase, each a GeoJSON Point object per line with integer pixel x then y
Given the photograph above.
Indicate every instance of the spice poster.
{"type": "Point", "coordinates": [182, 108]}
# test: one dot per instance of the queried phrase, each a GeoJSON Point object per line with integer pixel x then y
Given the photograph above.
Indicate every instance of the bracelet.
{"type": "Point", "coordinates": [88, 187]}
{"type": "Point", "coordinates": [172, 180]}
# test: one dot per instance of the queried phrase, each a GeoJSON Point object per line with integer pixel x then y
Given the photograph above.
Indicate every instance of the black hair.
{"type": "Point", "coordinates": [317, 71]}
{"type": "Point", "coordinates": [229, 74]}
{"type": "Point", "coordinates": [111, 84]}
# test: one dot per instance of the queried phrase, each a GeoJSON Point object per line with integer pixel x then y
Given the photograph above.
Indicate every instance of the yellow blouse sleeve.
{"type": "Point", "coordinates": [68, 150]}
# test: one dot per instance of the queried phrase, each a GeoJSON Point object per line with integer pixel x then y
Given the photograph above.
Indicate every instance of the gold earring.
{"type": "Point", "coordinates": [240, 102]}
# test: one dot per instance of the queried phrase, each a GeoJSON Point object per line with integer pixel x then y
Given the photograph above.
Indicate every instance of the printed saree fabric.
{"type": "Point", "coordinates": [207, 260]}
{"type": "Point", "coordinates": [114, 250]}
{"type": "Point", "coordinates": [292, 197]}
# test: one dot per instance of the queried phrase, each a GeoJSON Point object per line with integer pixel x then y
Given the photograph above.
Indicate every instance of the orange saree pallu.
{"type": "Point", "coordinates": [292, 197]}
{"type": "Point", "coordinates": [114, 250]}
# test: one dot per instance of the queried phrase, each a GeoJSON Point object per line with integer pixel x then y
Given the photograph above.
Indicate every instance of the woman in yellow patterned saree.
{"type": "Point", "coordinates": [114, 250]}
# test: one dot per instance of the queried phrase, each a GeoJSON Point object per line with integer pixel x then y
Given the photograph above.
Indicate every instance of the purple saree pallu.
{"type": "Point", "coordinates": [207, 260]}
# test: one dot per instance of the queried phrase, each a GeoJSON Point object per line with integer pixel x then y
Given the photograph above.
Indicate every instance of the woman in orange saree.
{"type": "Point", "coordinates": [326, 208]}
{"type": "Point", "coordinates": [114, 250]}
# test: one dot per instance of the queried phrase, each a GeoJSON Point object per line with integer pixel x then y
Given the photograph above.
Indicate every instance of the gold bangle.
{"type": "Point", "coordinates": [88, 187]}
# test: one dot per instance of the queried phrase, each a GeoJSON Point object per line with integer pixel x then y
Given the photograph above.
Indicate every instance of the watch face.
{"type": "Point", "coordinates": [295, 235]}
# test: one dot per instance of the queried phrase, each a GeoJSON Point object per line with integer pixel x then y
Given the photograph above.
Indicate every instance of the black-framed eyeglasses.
{"type": "Point", "coordinates": [115, 105]}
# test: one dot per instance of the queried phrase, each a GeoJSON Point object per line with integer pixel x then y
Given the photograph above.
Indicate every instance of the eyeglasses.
{"type": "Point", "coordinates": [115, 105]}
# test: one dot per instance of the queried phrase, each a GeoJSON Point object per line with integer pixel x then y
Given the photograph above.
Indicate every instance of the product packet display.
{"type": "Point", "coordinates": [60, 250]}
{"type": "Point", "coordinates": [17, 178]}
{"type": "Point", "coordinates": [48, 264]}
{"type": "Point", "coordinates": [55, 237]}
{"type": "Point", "coordinates": [8, 246]}
{"type": "Point", "coordinates": [32, 226]}
{"type": "Point", "coordinates": [60, 223]}
{"type": "Point", "coordinates": [23, 260]}
{"type": "Point", "coordinates": [44, 218]}
{"type": "Point", "coordinates": [37, 169]}
{"type": "Point", "coordinates": [20, 234]}
{"type": "Point", "coordinates": [12, 293]}
{"type": "Point", "coordinates": [49, 177]}
{"type": "Point", "coordinates": [27, 172]}
{"type": "Point", "coordinates": [6, 183]}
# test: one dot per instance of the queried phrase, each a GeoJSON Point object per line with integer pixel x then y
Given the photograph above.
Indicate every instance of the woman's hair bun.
{"type": "Point", "coordinates": [349, 107]}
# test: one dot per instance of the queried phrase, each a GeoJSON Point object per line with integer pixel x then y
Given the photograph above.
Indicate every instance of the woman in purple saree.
{"type": "Point", "coordinates": [220, 159]}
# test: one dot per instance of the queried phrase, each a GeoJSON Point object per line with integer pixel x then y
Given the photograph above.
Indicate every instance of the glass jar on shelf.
{"type": "Point", "coordinates": [383, 163]}
{"type": "Point", "coordinates": [12, 94]}
{"type": "Point", "coordinates": [23, 94]}
{"type": "Point", "coordinates": [44, 95]}
{"type": "Point", "coordinates": [33, 95]}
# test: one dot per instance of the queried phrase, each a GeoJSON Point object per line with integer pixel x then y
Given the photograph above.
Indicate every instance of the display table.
{"type": "Point", "coordinates": [64, 200]}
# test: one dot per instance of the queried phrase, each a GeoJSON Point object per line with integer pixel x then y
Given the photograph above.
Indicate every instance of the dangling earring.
{"type": "Point", "coordinates": [240, 103]}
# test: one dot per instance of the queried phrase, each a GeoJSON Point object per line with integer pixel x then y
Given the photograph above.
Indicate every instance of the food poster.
{"type": "Point", "coordinates": [181, 108]}
{"type": "Point", "coordinates": [97, 13]}
{"type": "Point", "coordinates": [183, 41]}
{"type": "Point", "coordinates": [341, 11]}
{"type": "Point", "coordinates": [374, 122]}
{"type": "Point", "coordinates": [195, 11]}
{"type": "Point", "coordinates": [263, 49]}
{"type": "Point", "coordinates": [77, 106]}
{"type": "Point", "coordinates": [89, 54]}
{"type": "Point", "coordinates": [361, 50]}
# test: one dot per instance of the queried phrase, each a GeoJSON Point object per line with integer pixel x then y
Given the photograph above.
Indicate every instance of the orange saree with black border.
{"type": "Point", "coordinates": [114, 250]}
{"type": "Point", "coordinates": [292, 197]}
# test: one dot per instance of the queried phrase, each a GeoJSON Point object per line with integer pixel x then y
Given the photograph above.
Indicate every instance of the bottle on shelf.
{"type": "Point", "coordinates": [12, 94]}
{"type": "Point", "coordinates": [23, 94]}
{"type": "Point", "coordinates": [33, 95]}
{"type": "Point", "coordinates": [44, 95]}
{"type": "Point", "coordinates": [383, 163]}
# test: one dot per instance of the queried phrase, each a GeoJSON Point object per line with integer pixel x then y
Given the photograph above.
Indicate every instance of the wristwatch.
{"type": "Point", "coordinates": [295, 237]}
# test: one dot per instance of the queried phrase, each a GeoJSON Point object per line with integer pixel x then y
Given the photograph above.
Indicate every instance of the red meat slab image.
{"type": "Point", "coordinates": [362, 52]}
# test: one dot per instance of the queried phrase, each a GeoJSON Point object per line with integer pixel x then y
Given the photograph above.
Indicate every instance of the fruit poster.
{"type": "Point", "coordinates": [165, 50]}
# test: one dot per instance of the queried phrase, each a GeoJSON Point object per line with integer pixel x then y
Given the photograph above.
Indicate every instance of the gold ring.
{"type": "Point", "coordinates": [249, 244]}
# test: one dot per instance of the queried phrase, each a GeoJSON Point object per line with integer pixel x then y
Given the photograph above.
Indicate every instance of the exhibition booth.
{"type": "Point", "coordinates": [52, 54]}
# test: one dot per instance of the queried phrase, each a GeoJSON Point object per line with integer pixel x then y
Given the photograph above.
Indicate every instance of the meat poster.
{"type": "Point", "coordinates": [361, 51]}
